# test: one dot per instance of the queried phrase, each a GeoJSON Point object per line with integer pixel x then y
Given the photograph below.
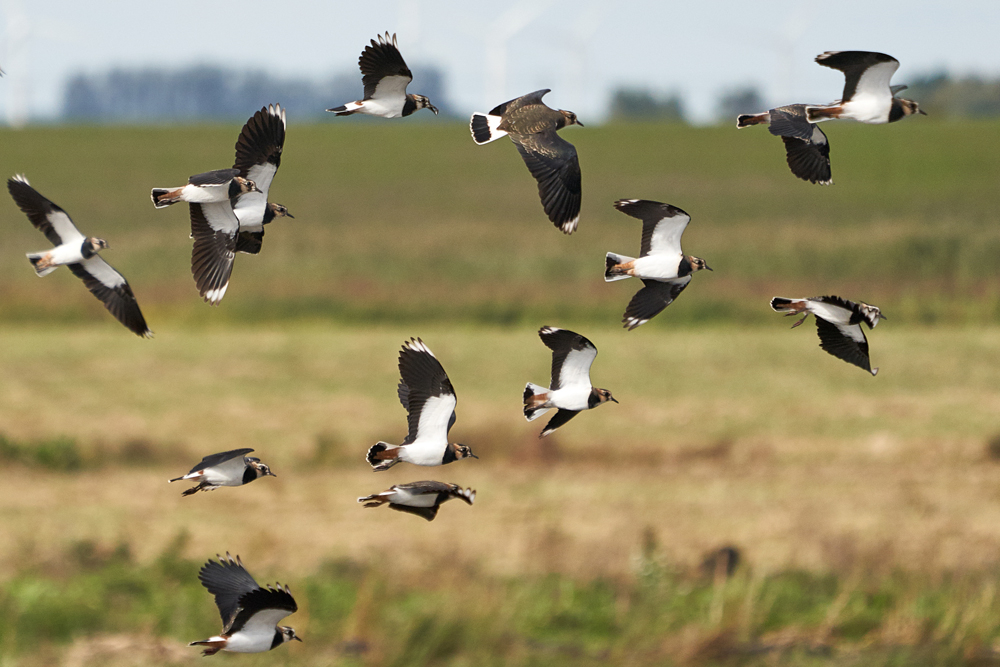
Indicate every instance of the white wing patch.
{"type": "Point", "coordinates": [875, 80]}
{"type": "Point", "coordinates": [391, 88]}
{"type": "Point", "coordinates": [221, 217]}
{"type": "Point", "coordinates": [666, 239]}
{"type": "Point", "coordinates": [64, 227]}
{"type": "Point", "coordinates": [575, 371]}
{"type": "Point", "coordinates": [434, 417]}
{"type": "Point", "coordinates": [103, 271]}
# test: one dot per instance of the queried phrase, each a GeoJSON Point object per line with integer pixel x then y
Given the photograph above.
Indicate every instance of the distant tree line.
{"type": "Point", "coordinates": [198, 93]}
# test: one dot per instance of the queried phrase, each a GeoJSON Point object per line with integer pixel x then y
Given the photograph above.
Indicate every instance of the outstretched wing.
{"type": "Point", "coordinates": [228, 581]}
{"type": "Point", "coordinates": [260, 610]}
{"type": "Point", "coordinates": [845, 341]}
{"type": "Point", "coordinates": [44, 215]}
{"type": "Point", "coordinates": [213, 227]}
{"type": "Point", "coordinates": [258, 156]}
{"type": "Point", "coordinates": [560, 418]}
{"type": "Point", "coordinates": [113, 291]}
{"type": "Point", "coordinates": [865, 72]}
{"type": "Point", "coordinates": [384, 72]}
{"type": "Point", "coordinates": [554, 163]}
{"type": "Point", "coordinates": [662, 225]}
{"type": "Point", "coordinates": [572, 356]}
{"type": "Point", "coordinates": [430, 397]}
{"type": "Point", "coordinates": [213, 460]}
{"type": "Point", "coordinates": [652, 299]}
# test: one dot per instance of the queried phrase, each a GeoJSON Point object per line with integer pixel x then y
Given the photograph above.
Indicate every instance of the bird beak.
{"type": "Point", "coordinates": [297, 638]}
{"type": "Point", "coordinates": [614, 399]}
{"type": "Point", "coordinates": [579, 123]}
{"type": "Point", "coordinates": [882, 317]}
{"type": "Point", "coordinates": [473, 455]}
{"type": "Point", "coordinates": [708, 267]}
{"type": "Point", "coordinates": [271, 473]}
{"type": "Point", "coordinates": [921, 112]}
{"type": "Point", "coordinates": [433, 108]}
{"type": "Point", "coordinates": [289, 215]}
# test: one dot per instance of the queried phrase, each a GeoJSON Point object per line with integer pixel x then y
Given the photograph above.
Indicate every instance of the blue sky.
{"type": "Point", "coordinates": [491, 52]}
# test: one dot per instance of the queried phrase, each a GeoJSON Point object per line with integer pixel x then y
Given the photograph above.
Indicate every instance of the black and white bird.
{"type": "Point", "coordinates": [867, 97]}
{"type": "Point", "coordinates": [552, 160]}
{"type": "Point", "coordinates": [79, 253]}
{"type": "Point", "coordinates": [208, 188]}
{"type": "Point", "coordinates": [420, 498]}
{"type": "Point", "coordinates": [385, 76]}
{"type": "Point", "coordinates": [663, 268]}
{"type": "Point", "coordinates": [250, 614]}
{"type": "Point", "coordinates": [429, 400]}
{"type": "Point", "coordinates": [232, 468]}
{"type": "Point", "coordinates": [258, 156]}
{"type": "Point", "coordinates": [570, 389]}
{"type": "Point", "coordinates": [807, 149]}
{"type": "Point", "coordinates": [839, 324]}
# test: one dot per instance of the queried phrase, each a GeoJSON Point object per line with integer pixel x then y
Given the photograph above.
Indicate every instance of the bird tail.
{"type": "Point", "coordinates": [383, 456]}
{"type": "Point", "coordinates": [486, 128]}
{"type": "Point", "coordinates": [611, 264]}
{"type": "Point", "coordinates": [212, 645]}
{"type": "Point", "coordinates": [347, 109]}
{"type": "Point", "coordinates": [818, 114]}
{"type": "Point", "coordinates": [162, 197]}
{"type": "Point", "coordinates": [790, 306]}
{"type": "Point", "coordinates": [45, 269]}
{"type": "Point", "coordinates": [468, 495]}
{"type": "Point", "coordinates": [535, 397]}
{"type": "Point", "coordinates": [746, 120]}
{"type": "Point", "coordinates": [374, 500]}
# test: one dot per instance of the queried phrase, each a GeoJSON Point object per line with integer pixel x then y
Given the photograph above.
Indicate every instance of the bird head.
{"type": "Point", "coordinates": [462, 451]}
{"type": "Point", "coordinates": [246, 185]}
{"type": "Point", "coordinates": [280, 211]}
{"type": "Point", "coordinates": [262, 469]}
{"type": "Point", "coordinates": [603, 396]}
{"type": "Point", "coordinates": [288, 634]}
{"type": "Point", "coordinates": [872, 314]}
{"type": "Point", "coordinates": [910, 107]}
{"type": "Point", "coordinates": [570, 118]}
{"type": "Point", "coordinates": [97, 244]}
{"type": "Point", "coordinates": [697, 263]}
{"type": "Point", "coordinates": [424, 103]}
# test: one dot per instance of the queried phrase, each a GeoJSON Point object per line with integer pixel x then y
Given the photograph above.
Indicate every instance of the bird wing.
{"type": "Point", "coordinates": [809, 160]}
{"type": "Point", "coordinates": [790, 121]}
{"type": "Point", "coordinates": [651, 299]}
{"type": "Point", "coordinates": [844, 341]}
{"type": "Point", "coordinates": [662, 225]}
{"type": "Point", "coordinates": [426, 512]}
{"type": "Point", "coordinates": [214, 460]}
{"type": "Point", "coordinates": [216, 177]}
{"type": "Point", "coordinates": [258, 156]}
{"type": "Point", "coordinates": [228, 581]}
{"type": "Point", "coordinates": [522, 101]}
{"type": "Point", "coordinates": [572, 356]}
{"type": "Point", "coordinates": [383, 71]}
{"type": "Point", "coordinates": [554, 163]}
{"type": "Point", "coordinates": [558, 419]}
{"type": "Point", "coordinates": [259, 611]}
{"type": "Point", "coordinates": [113, 291]}
{"type": "Point", "coordinates": [213, 228]}
{"type": "Point", "coordinates": [865, 72]}
{"type": "Point", "coordinates": [430, 396]}
{"type": "Point", "coordinates": [44, 215]}
{"type": "Point", "coordinates": [425, 487]}
{"type": "Point", "coordinates": [249, 242]}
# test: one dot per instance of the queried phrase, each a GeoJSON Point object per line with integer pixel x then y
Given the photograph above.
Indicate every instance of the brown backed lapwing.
{"type": "Point", "coordinates": [663, 268]}
{"type": "Point", "coordinates": [420, 498]}
{"type": "Point", "coordinates": [429, 400]}
{"type": "Point", "coordinates": [258, 156]}
{"type": "Point", "coordinates": [868, 97]}
{"type": "Point", "coordinates": [385, 77]}
{"type": "Point", "coordinates": [569, 390]}
{"type": "Point", "coordinates": [552, 160]}
{"type": "Point", "coordinates": [232, 468]}
{"type": "Point", "coordinates": [79, 253]}
{"type": "Point", "coordinates": [250, 614]}
{"type": "Point", "coordinates": [839, 324]}
{"type": "Point", "coordinates": [807, 149]}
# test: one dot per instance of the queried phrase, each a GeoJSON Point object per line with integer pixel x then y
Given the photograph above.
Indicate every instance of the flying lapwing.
{"type": "Point", "coordinates": [552, 160]}
{"type": "Point", "coordinates": [79, 253]}
{"type": "Point", "coordinates": [807, 149]}
{"type": "Point", "coordinates": [250, 614]}
{"type": "Point", "coordinates": [258, 156]}
{"type": "Point", "coordinates": [385, 77]}
{"type": "Point", "coordinates": [867, 97]}
{"type": "Point", "coordinates": [232, 468]}
{"type": "Point", "coordinates": [839, 324]}
{"type": "Point", "coordinates": [663, 268]}
{"type": "Point", "coordinates": [429, 400]}
{"type": "Point", "coordinates": [420, 498]}
{"type": "Point", "coordinates": [570, 389]}
{"type": "Point", "coordinates": [208, 188]}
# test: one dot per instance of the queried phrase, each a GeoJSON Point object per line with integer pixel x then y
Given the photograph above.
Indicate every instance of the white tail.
{"type": "Point", "coordinates": [532, 408]}
{"type": "Point", "coordinates": [486, 128]}
{"type": "Point", "coordinates": [33, 257]}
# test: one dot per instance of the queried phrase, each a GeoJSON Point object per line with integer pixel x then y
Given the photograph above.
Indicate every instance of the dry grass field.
{"type": "Point", "coordinates": [866, 510]}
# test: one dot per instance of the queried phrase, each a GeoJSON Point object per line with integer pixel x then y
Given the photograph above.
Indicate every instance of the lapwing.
{"type": "Point", "coordinates": [385, 77]}
{"type": "Point", "coordinates": [429, 400]}
{"type": "Point", "coordinates": [208, 188]}
{"type": "Point", "coordinates": [250, 614]}
{"type": "Point", "coordinates": [570, 389]}
{"type": "Point", "coordinates": [552, 160]}
{"type": "Point", "coordinates": [868, 97]}
{"type": "Point", "coordinates": [420, 498]}
{"type": "Point", "coordinates": [807, 149]}
{"type": "Point", "coordinates": [258, 156]}
{"type": "Point", "coordinates": [663, 268]}
{"type": "Point", "coordinates": [232, 468]}
{"type": "Point", "coordinates": [79, 253]}
{"type": "Point", "coordinates": [839, 324]}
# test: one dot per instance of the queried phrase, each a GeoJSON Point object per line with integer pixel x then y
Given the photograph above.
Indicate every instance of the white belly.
{"type": "Point", "coordinates": [379, 108]}
{"type": "Point", "coordinates": [575, 397]}
{"type": "Point", "coordinates": [243, 643]}
{"type": "Point", "coordinates": [67, 253]}
{"type": "Point", "coordinates": [407, 497]}
{"type": "Point", "coordinates": [868, 108]}
{"type": "Point", "coordinates": [424, 452]}
{"type": "Point", "coordinates": [657, 267]}
{"type": "Point", "coordinates": [205, 194]}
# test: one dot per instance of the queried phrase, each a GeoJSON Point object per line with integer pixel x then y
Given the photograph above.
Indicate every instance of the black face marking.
{"type": "Point", "coordinates": [409, 106]}
{"type": "Point", "coordinates": [594, 399]}
{"type": "Point", "coordinates": [684, 268]}
{"type": "Point", "coordinates": [249, 474]}
{"type": "Point", "coordinates": [896, 111]}
{"type": "Point", "coordinates": [87, 249]}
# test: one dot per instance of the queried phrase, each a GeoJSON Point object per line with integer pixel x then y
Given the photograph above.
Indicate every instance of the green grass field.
{"type": "Point", "coordinates": [866, 509]}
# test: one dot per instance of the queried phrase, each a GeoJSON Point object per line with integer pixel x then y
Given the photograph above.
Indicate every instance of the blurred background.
{"type": "Point", "coordinates": [751, 501]}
